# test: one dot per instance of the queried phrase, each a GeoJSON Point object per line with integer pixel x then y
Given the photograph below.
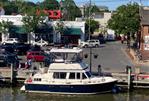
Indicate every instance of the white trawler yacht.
{"type": "Point", "coordinates": [68, 74]}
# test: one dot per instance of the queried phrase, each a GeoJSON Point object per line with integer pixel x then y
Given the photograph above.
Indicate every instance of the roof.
{"type": "Point", "coordinates": [66, 50]}
{"type": "Point", "coordinates": [72, 31]}
{"type": "Point", "coordinates": [144, 16]}
{"type": "Point", "coordinates": [67, 66]}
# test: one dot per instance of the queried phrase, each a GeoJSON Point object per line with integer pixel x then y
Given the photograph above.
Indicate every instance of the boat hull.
{"type": "Point", "coordinates": [71, 89]}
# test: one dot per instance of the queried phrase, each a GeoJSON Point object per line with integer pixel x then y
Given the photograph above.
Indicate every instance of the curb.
{"type": "Point", "coordinates": [134, 59]}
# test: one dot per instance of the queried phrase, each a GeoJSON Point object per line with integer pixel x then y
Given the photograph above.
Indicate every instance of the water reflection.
{"type": "Point", "coordinates": [14, 94]}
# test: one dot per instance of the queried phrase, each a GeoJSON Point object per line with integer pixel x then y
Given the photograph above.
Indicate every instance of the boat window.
{"type": "Point", "coordinates": [59, 75]}
{"type": "Point", "coordinates": [37, 79]}
{"type": "Point", "coordinates": [84, 76]}
{"type": "Point", "coordinates": [88, 74]}
{"type": "Point", "coordinates": [72, 76]}
{"type": "Point", "coordinates": [78, 75]}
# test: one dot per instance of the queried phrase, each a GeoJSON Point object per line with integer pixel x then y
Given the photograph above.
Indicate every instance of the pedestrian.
{"type": "Point", "coordinates": [122, 39]}
{"type": "Point", "coordinates": [26, 65]}
{"type": "Point", "coordinates": [29, 62]}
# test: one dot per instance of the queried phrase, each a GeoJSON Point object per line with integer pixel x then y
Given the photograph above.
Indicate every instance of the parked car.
{"type": "Point", "coordinates": [41, 43]}
{"type": "Point", "coordinates": [11, 41]}
{"type": "Point", "coordinates": [89, 43]}
{"type": "Point", "coordinates": [35, 48]}
{"type": "Point", "coordinates": [37, 56]}
{"type": "Point", "coordinates": [17, 48]}
{"type": "Point", "coordinates": [21, 48]}
{"type": "Point", "coordinates": [101, 39]}
{"type": "Point", "coordinates": [8, 58]}
{"type": "Point", "coordinates": [8, 47]}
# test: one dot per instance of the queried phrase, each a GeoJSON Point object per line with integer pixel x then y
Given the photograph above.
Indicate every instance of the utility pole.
{"type": "Point", "coordinates": [89, 20]}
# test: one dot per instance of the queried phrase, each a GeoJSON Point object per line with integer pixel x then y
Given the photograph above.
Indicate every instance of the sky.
{"type": "Point", "coordinates": [111, 4]}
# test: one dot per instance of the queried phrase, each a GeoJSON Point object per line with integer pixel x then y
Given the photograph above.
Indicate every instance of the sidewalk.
{"type": "Point", "coordinates": [132, 55]}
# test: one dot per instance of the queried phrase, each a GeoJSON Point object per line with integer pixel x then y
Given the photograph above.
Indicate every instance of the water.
{"type": "Point", "coordinates": [14, 94]}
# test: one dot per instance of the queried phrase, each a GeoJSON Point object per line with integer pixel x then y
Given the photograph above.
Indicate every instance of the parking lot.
{"type": "Point", "coordinates": [109, 55]}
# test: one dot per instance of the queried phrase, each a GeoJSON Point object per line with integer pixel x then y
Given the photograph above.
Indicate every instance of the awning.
{"type": "Point", "coordinates": [72, 31]}
{"type": "Point", "coordinates": [17, 29]}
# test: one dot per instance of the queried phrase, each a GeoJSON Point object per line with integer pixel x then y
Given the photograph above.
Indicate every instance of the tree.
{"type": "Point", "coordinates": [70, 10]}
{"type": "Point", "coordinates": [92, 24]}
{"type": "Point", "coordinates": [92, 9]}
{"type": "Point", "coordinates": [10, 8]}
{"type": "Point", "coordinates": [59, 29]}
{"type": "Point", "coordinates": [4, 27]}
{"type": "Point", "coordinates": [125, 19]}
{"type": "Point", "coordinates": [49, 5]}
{"type": "Point", "coordinates": [31, 22]}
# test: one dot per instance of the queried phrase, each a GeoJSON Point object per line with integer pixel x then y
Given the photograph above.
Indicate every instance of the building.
{"type": "Point", "coordinates": [144, 32]}
{"type": "Point", "coordinates": [102, 18]}
{"type": "Point", "coordinates": [74, 30]}
{"type": "Point", "coordinates": [16, 20]}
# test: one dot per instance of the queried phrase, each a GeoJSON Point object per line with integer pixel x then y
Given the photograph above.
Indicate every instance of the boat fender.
{"type": "Point", "coordinates": [116, 89]}
{"type": "Point", "coordinates": [29, 80]}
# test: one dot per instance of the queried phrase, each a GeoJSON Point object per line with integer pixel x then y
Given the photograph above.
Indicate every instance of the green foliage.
{"type": "Point", "coordinates": [70, 10]}
{"type": "Point", "coordinates": [93, 25]}
{"type": "Point", "coordinates": [32, 22]}
{"type": "Point", "coordinates": [4, 26]}
{"type": "Point", "coordinates": [92, 9]}
{"type": "Point", "coordinates": [60, 27]}
{"type": "Point", "coordinates": [125, 19]}
{"type": "Point", "coordinates": [68, 7]}
{"type": "Point", "coordinates": [10, 8]}
{"type": "Point", "coordinates": [49, 4]}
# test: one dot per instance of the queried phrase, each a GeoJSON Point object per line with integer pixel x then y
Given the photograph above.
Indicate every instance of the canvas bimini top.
{"type": "Point", "coordinates": [66, 50]}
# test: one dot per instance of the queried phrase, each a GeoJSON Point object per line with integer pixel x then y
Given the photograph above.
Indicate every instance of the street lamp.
{"type": "Point", "coordinates": [90, 58]}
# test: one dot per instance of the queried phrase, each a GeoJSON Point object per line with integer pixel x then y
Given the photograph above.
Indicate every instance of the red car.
{"type": "Point", "coordinates": [38, 56]}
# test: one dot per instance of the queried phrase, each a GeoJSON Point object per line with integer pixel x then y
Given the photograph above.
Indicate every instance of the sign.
{"type": "Point", "coordinates": [146, 42]}
{"type": "Point", "coordinates": [52, 14]}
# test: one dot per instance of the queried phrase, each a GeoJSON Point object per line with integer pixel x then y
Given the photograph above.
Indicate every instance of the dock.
{"type": "Point", "coordinates": [19, 75]}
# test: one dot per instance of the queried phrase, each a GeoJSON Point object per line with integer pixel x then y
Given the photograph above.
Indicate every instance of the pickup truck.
{"type": "Point", "coordinates": [89, 43]}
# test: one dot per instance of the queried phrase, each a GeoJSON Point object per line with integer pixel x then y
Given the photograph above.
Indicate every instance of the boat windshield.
{"type": "Point", "coordinates": [88, 74]}
{"type": "Point", "coordinates": [69, 57]}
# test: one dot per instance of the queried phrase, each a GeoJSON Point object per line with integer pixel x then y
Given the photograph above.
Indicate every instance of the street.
{"type": "Point", "coordinates": [111, 57]}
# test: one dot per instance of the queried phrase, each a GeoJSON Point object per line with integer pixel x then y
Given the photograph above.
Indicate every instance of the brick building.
{"type": "Point", "coordinates": [144, 33]}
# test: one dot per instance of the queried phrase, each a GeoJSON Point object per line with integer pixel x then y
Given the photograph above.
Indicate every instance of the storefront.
{"type": "Point", "coordinates": [71, 35]}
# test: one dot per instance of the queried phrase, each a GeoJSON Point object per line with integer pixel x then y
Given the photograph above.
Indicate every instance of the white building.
{"type": "Point", "coordinates": [102, 18]}
{"type": "Point", "coordinates": [17, 20]}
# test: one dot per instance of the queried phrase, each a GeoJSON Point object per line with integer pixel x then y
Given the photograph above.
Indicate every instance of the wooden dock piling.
{"type": "Point", "coordinates": [12, 74]}
{"type": "Point", "coordinates": [129, 78]}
